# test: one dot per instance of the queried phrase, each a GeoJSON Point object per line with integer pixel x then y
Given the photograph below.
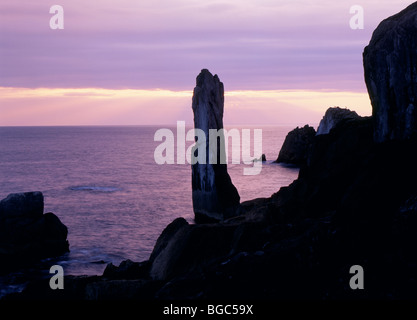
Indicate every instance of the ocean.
{"type": "Point", "coordinates": [105, 186]}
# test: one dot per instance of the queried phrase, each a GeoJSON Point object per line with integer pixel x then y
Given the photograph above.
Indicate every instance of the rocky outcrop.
{"type": "Point", "coordinates": [350, 205]}
{"type": "Point", "coordinates": [333, 117]}
{"type": "Point", "coordinates": [29, 204]}
{"type": "Point", "coordinates": [298, 142]}
{"type": "Point", "coordinates": [214, 195]}
{"type": "Point", "coordinates": [296, 145]}
{"type": "Point", "coordinates": [183, 248]}
{"type": "Point", "coordinates": [26, 234]}
{"type": "Point", "coordinates": [390, 62]}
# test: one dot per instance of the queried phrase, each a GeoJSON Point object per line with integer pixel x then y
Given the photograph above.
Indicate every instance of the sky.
{"type": "Point", "coordinates": [134, 62]}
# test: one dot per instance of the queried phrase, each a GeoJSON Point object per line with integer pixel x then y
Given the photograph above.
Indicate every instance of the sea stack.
{"type": "Point", "coordinates": [215, 198]}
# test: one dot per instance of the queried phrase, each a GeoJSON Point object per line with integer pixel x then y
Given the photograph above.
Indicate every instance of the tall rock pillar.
{"type": "Point", "coordinates": [214, 195]}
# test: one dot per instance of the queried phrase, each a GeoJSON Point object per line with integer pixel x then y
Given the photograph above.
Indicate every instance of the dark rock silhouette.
{"type": "Point", "coordinates": [26, 234]}
{"type": "Point", "coordinates": [29, 204]}
{"type": "Point", "coordinates": [188, 248]}
{"type": "Point", "coordinates": [261, 158]}
{"type": "Point", "coordinates": [127, 269]}
{"type": "Point", "coordinates": [390, 73]}
{"type": "Point", "coordinates": [214, 195]}
{"type": "Point", "coordinates": [296, 145]}
{"type": "Point", "coordinates": [333, 117]}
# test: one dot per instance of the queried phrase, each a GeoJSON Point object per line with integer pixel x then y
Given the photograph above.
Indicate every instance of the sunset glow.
{"type": "Point", "coordinates": [135, 62]}
{"type": "Point", "coordinates": [98, 106]}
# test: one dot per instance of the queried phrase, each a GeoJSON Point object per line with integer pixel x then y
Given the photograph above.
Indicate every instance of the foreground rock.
{"type": "Point", "coordinates": [350, 206]}
{"type": "Point", "coordinates": [390, 75]}
{"type": "Point", "coordinates": [333, 117]}
{"type": "Point", "coordinates": [296, 146]}
{"type": "Point", "coordinates": [26, 234]}
{"type": "Point", "coordinates": [214, 195]}
{"type": "Point", "coordinates": [29, 204]}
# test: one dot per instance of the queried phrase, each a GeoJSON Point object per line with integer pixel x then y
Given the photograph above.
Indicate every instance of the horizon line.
{"type": "Point", "coordinates": [151, 125]}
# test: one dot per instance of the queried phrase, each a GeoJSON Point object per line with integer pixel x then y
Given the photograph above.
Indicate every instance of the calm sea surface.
{"type": "Point", "coordinates": [104, 185]}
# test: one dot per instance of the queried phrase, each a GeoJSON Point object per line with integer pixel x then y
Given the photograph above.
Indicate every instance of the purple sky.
{"type": "Point", "coordinates": [252, 45]}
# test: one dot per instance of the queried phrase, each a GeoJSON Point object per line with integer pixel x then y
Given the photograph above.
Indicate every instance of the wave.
{"type": "Point", "coordinates": [94, 188]}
